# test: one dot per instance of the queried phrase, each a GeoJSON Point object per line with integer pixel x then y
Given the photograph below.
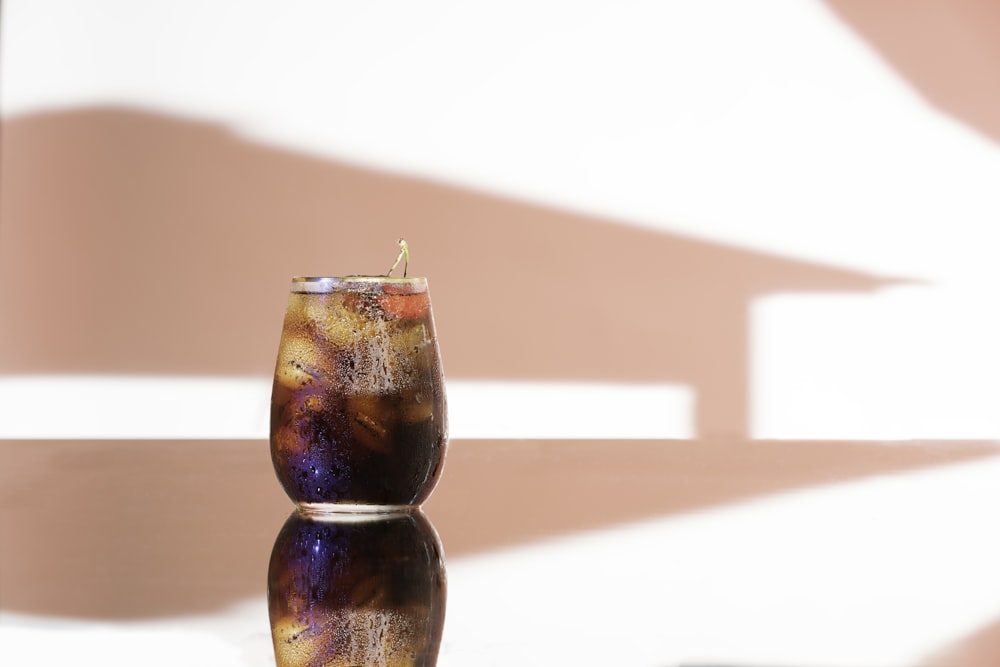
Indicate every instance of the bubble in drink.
{"type": "Point", "coordinates": [358, 414]}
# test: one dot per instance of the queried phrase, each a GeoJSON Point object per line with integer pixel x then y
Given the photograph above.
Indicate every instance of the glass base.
{"type": "Point", "coordinates": [353, 511]}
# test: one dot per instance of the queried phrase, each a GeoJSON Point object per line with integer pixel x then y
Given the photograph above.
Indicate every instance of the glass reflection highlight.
{"type": "Point", "coordinates": [356, 589]}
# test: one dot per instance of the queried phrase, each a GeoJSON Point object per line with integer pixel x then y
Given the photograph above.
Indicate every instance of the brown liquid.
{"type": "Point", "coordinates": [358, 406]}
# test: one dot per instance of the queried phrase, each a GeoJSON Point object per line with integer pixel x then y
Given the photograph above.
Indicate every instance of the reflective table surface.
{"type": "Point", "coordinates": [695, 553]}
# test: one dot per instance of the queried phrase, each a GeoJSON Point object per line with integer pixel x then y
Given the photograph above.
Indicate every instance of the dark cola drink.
{"type": "Point", "coordinates": [358, 413]}
{"type": "Point", "coordinates": [356, 590]}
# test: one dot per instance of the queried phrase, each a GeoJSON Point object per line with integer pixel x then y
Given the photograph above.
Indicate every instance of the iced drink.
{"type": "Point", "coordinates": [358, 414]}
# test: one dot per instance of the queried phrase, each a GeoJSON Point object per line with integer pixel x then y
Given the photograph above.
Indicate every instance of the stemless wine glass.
{"type": "Point", "coordinates": [358, 411]}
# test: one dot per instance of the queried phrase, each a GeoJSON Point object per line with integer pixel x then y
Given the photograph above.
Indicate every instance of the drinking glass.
{"type": "Point", "coordinates": [358, 408]}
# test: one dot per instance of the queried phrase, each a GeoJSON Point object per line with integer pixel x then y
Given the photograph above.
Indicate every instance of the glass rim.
{"type": "Point", "coordinates": [333, 283]}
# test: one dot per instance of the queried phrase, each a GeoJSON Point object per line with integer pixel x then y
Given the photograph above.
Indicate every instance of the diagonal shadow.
{"type": "Point", "coordinates": [119, 529]}
{"type": "Point", "coordinates": [139, 243]}
{"type": "Point", "coordinates": [949, 50]}
{"type": "Point", "coordinates": [981, 648]}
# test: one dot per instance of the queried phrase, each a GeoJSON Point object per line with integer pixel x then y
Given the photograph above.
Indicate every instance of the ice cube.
{"type": "Point", "coordinates": [294, 645]}
{"type": "Point", "coordinates": [372, 419]}
{"type": "Point", "coordinates": [330, 318]}
{"type": "Point", "coordinates": [418, 411]}
{"type": "Point", "coordinates": [300, 361]}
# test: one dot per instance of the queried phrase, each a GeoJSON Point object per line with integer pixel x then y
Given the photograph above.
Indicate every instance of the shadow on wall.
{"type": "Point", "coordinates": [138, 243]}
{"type": "Point", "coordinates": [981, 648]}
{"type": "Point", "coordinates": [948, 49]}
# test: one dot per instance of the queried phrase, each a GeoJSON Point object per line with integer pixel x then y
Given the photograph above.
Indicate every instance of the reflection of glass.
{"type": "Point", "coordinates": [358, 415]}
{"type": "Point", "coordinates": [356, 589]}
